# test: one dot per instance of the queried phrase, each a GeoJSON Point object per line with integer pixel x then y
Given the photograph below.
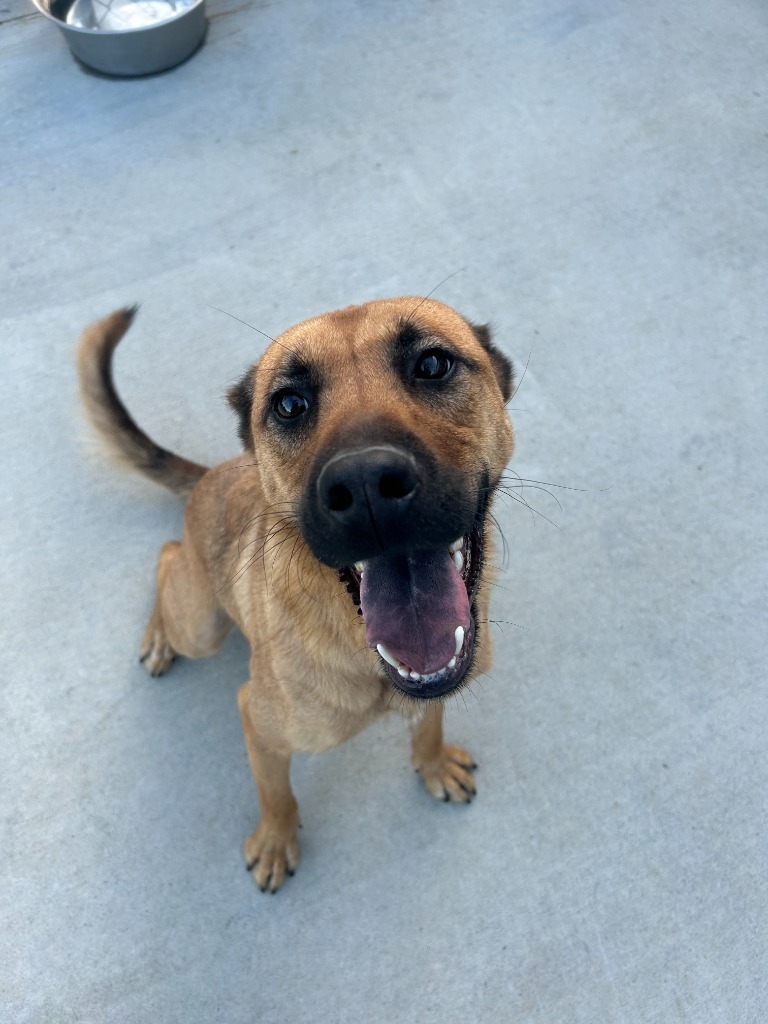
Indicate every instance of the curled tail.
{"type": "Point", "coordinates": [125, 441]}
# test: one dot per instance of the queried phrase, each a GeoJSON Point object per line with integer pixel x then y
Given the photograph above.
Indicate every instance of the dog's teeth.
{"type": "Point", "coordinates": [360, 566]}
{"type": "Point", "coordinates": [456, 546]}
{"type": "Point", "coordinates": [408, 673]}
{"type": "Point", "coordinates": [389, 658]}
{"type": "Point", "coordinates": [459, 634]}
{"type": "Point", "coordinates": [458, 560]}
{"type": "Point", "coordinates": [402, 670]}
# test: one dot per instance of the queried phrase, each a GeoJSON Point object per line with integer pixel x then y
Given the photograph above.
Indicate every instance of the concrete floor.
{"type": "Point", "coordinates": [598, 170]}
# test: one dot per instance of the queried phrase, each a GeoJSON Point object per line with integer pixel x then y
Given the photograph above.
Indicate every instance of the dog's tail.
{"type": "Point", "coordinates": [125, 441]}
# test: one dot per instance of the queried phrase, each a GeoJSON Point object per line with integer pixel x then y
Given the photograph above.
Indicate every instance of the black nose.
{"type": "Point", "coordinates": [370, 487]}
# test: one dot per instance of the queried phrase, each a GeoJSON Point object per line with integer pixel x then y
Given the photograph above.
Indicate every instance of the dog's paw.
{"type": "Point", "coordinates": [449, 776]}
{"type": "Point", "coordinates": [270, 855]}
{"type": "Point", "coordinates": [156, 653]}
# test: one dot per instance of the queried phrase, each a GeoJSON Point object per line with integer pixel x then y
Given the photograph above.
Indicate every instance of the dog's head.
{"type": "Point", "coordinates": [384, 428]}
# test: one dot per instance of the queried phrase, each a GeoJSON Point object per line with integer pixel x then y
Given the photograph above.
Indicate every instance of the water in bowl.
{"type": "Point", "coordinates": [123, 15]}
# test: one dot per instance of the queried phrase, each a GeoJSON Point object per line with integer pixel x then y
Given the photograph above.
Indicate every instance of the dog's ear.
{"type": "Point", "coordinates": [240, 397]}
{"type": "Point", "coordinates": [503, 367]}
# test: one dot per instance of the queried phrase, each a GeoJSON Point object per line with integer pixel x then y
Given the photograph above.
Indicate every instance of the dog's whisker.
{"type": "Point", "coordinates": [283, 522]}
{"type": "Point", "coordinates": [507, 488]}
{"type": "Point", "coordinates": [233, 469]}
{"type": "Point", "coordinates": [525, 370]}
{"type": "Point", "coordinates": [548, 483]}
{"type": "Point", "coordinates": [275, 530]}
{"type": "Point", "coordinates": [531, 508]}
{"type": "Point", "coordinates": [504, 545]}
{"type": "Point", "coordinates": [246, 324]}
{"type": "Point", "coordinates": [430, 294]}
{"type": "Point", "coordinates": [274, 511]}
{"type": "Point", "coordinates": [471, 692]}
{"type": "Point", "coordinates": [517, 493]}
{"type": "Point", "coordinates": [289, 564]}
{"type": "Point", "coordinates": [499, 586]}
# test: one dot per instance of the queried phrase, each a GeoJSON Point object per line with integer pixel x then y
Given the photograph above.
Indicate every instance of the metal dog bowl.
{"type": "Point", "coordinates": [128, 37]}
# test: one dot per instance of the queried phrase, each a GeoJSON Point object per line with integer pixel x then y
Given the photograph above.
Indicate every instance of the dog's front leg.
{"type": "Point", "coordinates": [447, 771]}
{"type": "Point", "coordinates": [272, 851]}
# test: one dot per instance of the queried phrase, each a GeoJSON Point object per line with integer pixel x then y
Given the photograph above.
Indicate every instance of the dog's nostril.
{"type": "Point", "coordinates": [392, 485]}
{"type": "Point", "coordinates": [339, 498]}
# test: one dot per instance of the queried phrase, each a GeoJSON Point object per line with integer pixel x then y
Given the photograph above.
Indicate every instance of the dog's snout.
{"type": "Point", "coordinates": [376, 482]}
{"type": "Point", "coordinates": [376, 489]}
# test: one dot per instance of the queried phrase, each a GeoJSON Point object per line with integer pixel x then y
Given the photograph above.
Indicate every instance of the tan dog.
{"type": "Point", "coordinates": [347, 542]}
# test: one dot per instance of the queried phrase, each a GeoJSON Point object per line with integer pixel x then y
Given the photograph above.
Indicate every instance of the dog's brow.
{"type": "Point", "coordinates": [407, 336]}
{"type": "Point", "coordinates": [297, 371]}
{"type": "Point", "coordinates": [410, 336]}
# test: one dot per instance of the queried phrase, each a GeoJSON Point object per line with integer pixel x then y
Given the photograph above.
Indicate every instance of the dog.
{"type": "Point", "coordinates": [348, 541]}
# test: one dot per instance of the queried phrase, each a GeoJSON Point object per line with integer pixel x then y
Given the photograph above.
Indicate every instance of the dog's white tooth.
{"type": "Point", "coordinates": [404, 672]}
{"type": "Point", "coordinates": [451, 663]}
{"type": "Point", "coordinates": [389, 658]}
{"type": "Point", "coordinates": [415, 676]}
{"type": "Point", "coordinates": [458, 560]}
{"type": "Point", "coordinates": [459, 634]}
{"type": "Point", "coordinates": [360, 566]}
{"type": "Point", "coordinates": [456, 546]}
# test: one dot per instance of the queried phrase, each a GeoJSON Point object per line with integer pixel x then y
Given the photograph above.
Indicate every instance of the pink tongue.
{"type": "Point", "coordinates": [412, 605]}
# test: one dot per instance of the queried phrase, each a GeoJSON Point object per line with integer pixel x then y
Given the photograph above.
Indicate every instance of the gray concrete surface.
{"type": "Point", "coordinates": [599, 170]}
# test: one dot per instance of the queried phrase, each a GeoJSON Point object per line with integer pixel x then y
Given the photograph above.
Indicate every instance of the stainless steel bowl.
{"type": "Point", "coordinates": [128, 37]}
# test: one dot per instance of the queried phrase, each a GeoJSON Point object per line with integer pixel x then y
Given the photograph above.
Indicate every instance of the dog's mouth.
{"type": "Point", "coordinates": [418, 610]}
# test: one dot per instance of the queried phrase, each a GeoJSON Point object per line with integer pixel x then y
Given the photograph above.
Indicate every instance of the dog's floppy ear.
{"type": "Point", "coordinates": [240, 397]}
{"type": "Point", "coordinates": [503, 367]}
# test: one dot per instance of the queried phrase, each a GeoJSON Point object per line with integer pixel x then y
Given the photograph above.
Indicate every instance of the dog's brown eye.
{"type": "Point", "coordinates": [289, 404]}
{"type": "Point", "coordinates": [433, 365]}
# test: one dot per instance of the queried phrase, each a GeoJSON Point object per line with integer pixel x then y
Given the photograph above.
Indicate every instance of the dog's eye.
{"type": "Point", "coordinates": [289, 404]}
{"type": "Point", "coordinates": [433, 365]}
